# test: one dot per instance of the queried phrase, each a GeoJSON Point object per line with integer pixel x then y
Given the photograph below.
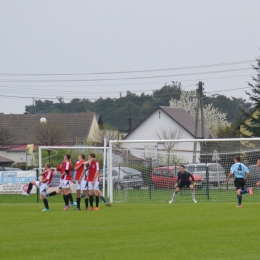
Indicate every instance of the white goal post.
{"type": "Point", "coordinates": [147, 168]}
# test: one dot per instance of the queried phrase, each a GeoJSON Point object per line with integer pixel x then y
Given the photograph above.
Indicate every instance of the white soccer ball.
{"type": "Point", "coordinates": [43, 120]}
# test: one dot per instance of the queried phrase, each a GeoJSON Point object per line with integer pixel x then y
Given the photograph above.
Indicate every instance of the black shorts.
{"type": "Point", "coordinates": [184, 183]}
{"type": "Point", "coordinates": [239, 183]}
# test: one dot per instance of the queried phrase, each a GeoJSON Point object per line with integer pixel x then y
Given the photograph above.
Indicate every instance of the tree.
{"type": "Point", "coordinates": [213, 118]}
{"type": "Point", "coordinates": [50, 134]}
{"type": "Point", "coordinates": [161, 96]}
{"type": "Point", "coordinates": [107, 131]}
{"type": "Point", "coordinates": [6, 137]}
{"type": "Point", "coordinates": [233, 107]}
{"type": "Point", "coordinates": [169, 134]}
{"type": "Point", "coordinates": [116, 111]}
{"type": "Point", "coordinates": [228, 131]}
{"type": "Point", "coordinates": [252, 124]}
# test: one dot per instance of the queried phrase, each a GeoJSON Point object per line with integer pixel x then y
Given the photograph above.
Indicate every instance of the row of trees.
{"type": "Point", "coordinates": [116, 111]}
{"type": "Point", "coordinates": [228, 113]}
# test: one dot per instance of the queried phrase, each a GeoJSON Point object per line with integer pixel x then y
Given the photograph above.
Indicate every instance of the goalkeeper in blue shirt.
{"type": "Point", "coordinates": [240, 173]}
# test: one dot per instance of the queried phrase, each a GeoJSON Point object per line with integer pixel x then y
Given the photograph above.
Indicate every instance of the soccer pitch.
{"type": "Point", "coordinates": [130, 231]}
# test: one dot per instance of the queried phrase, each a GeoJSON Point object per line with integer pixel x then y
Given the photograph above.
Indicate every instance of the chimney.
{"type": "Point", "coordinates": [130, 122]}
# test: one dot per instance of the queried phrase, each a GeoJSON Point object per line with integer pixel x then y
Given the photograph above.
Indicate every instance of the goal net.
{"type": "Point", "coordinates": [146, 171]}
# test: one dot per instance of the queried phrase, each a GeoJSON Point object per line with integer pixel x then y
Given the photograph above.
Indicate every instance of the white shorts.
{"type": "Point", "coordinates": [93, 187]}
{"type": "Point", "coordinates": [66, 184]}
{"type": "Point", "coordinates": [82, 185]}
{"type": "Point", "coordinates": [43, 187]}
{"type": "Point", "coordinates": [60, 186]}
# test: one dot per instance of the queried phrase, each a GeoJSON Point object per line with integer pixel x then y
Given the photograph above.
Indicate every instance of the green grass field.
{"type": "Point", "coordinates": [129, 231]}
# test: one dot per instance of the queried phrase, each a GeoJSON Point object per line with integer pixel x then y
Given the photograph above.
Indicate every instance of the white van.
{"type": "Point", "coordinates": [216, 172]}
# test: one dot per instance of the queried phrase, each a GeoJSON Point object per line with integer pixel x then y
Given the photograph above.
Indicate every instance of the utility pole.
{"type": "Point", "coordinates": [34, 109]}
{"type": "Point", "coordinates": [200, 106]}
{"type": "Point", "coordinates": [202, 109]}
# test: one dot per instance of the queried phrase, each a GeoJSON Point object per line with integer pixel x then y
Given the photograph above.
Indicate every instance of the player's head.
{"type": "Point", "coordinates": [47, 166]}
{"type": "Point", "coordinates": [67, 157]}
{"type": "Point", "coordinates": [182, 168]}
{"type": "Point", "coordinates": [237, 159]}
{"type": "Point", "coordinates": [81, 157]}
{"type": "Point", "coordinates": [258, 162]}
{"type": "Point", "coordinates": [91, 156]}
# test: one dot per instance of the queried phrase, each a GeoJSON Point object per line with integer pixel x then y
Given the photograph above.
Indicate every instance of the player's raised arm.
{"type": "Point", "coordinates": [47, 177]}
{"type": "Point", "coordinates": [88, 162]}
{"type": "Point", "coordinates": [58, 168]}
{"type": "Point", "coordinates": [97, 172]}
{"type": "Point", "coordinates": [66, 169]}
{"type": "Point", "coordinates": [77, 167]}
{"type": "Point", "coordinates": [42, 173]}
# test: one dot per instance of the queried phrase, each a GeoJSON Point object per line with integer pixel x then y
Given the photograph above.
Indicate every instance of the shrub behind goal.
{"type": "Point", "coordinates": [145, 171]}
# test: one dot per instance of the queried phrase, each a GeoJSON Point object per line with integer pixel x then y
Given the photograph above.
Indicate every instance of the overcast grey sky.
{"type": "Point", "coordinates": [77, 37]}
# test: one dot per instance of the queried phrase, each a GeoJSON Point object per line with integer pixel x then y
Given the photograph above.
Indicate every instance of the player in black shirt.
{"type": "Point", "coordinates": [184, 179]}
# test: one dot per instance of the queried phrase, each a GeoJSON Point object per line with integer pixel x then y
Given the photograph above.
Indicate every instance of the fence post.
{"type": "Point", "coordinates": [150, 177]}
{"type": "Point", "coordinates": [207, 182]}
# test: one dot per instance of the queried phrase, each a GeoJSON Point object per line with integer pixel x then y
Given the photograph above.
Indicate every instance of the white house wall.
{"type": "Point", "coordinates": [17, 157]}
{"type": "Point", "coordinates": [94, 127]}
{"type": "Point", "coordinates": [147, 131]}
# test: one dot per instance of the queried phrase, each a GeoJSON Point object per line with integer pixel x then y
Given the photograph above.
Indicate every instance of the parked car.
{"type": "Point", "coordinates": [216, 172]}
{"type": "Point", "coordinates": [124, 177]}
{"type": "Point", "coordinates": [166, 177]}
{"type": "Point", "coordinates": [130, 180]}
{"type": "Point", "coordinates": [254, 176]}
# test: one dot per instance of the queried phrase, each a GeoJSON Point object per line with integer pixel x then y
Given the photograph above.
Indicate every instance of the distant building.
{"type": "Point", "coordinates": [78, 126]}
{"type": "Point", "coordinates": [167, 118]}
{"type": "Point", "coordinates": [5, 161]}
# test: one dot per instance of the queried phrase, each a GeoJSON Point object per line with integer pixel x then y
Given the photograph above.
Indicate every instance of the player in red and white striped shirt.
{"type": "Point", "coordinates": [81, 180]}
{"type": "Point", "coordinates": [43, 185]}
{"type": "Point", "coordinates": [93, 180]}
{"type": "Point", "coordinates": [59, 191]}
{"type": "Point", "coordinates": [66, 179]}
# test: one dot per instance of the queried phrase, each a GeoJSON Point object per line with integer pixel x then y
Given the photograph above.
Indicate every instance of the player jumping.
{"type": "Point", "coordinates": [43, 185]}
{"type": "Point", "coordinates": [59, 191]}
{"type": "Point", "coordinates": [184, 180]}
{"type": "Point", "coordinates": [240, 173]}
